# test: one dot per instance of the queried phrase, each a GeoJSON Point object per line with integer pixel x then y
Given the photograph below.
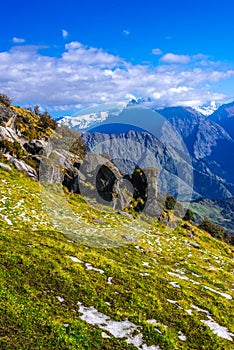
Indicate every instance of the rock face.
{"type": "Point", "coordinates": [211, 148]}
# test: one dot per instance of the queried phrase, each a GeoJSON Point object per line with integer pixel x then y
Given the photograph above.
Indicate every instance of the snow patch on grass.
{"type": "Point", "coordinates": [75, 259]}
{"type": "Point", "coordinates": [227, 296]}
{"type": "Point", "coordinates": [119, 329]}
{"type": "Point", "coordinates": [220, 331]}
{"type": "Point", "coordinates": [89, 267]}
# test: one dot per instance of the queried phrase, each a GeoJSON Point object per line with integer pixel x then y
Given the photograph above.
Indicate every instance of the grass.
{"type": "Point", "coordinates": [36, 268]}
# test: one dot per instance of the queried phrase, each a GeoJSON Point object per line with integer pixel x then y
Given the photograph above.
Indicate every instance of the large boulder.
{"type": "Point", "coordinates": [36, 146]}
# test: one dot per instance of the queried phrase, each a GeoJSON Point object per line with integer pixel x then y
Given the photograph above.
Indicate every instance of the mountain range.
{"type": "Point", "coordinates": [208, 141]}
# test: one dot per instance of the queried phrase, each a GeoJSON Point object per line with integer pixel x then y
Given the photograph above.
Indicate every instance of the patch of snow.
{"type": "Point", "coordinates": [200, 310]}
{"type": "Point", "coordinates": [227, 296]}
{"type": "Point", "coordinates": [220, 331]}
{"type": "Point", "coordinates": [172, 301]}
{"type": "Point", "coordinates": [144, 263]}
{"type": "Point", "coordinates": [189, 311]}
{"type": "Point", "coordinates": [6, 219]}
{"type": "Point", "coordinates": [119, 329]}
{"type": "Point", "coordinates": [153, 321]}
{"type": "Point", "coordinates": [60, 299]}
{"type": "Point", "coordinates": [75, 259]}
{"type": "Point", "coordinates": [105, 335]}
{"type": "Point", "coordinates": [175, 285]}
{"type": "Point", "coordinates": [109, 280]}
{"type": "Point", "coordinates": [18, 205]}
{"type": "Point", "coordinates": [180, 272]}
{"type": "Point", "coordinates": [181, 336]}
{"type": "Point", "coordinates": [196, 275]}
{"type": "Point", "coordinates": [89, 267]}
{"type": "Point", "coordinates": [182, 277]}
{"type": "Point", "coordinates": [212, 268]}
{"type": "Point", "coordinates": [145, 274]}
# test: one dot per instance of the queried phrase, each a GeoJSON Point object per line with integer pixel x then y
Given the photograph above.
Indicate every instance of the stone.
{"type": "Point", "coordinates": [195, 245]}
{"type": "Point", "coordinates": [24, 167]}
{"type": "Point", "coordinates": [124, 213]}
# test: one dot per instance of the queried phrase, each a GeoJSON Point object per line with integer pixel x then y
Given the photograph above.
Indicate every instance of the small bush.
{"type": "Point", "coordinates": [214, 230]}
{"type": "Point", "coordinates": [46, 121]}
{"type": "Point", "coordinates": [6, 100]}
{"type": "Point", "coordinates": [189, 216]}
{"type": "Point", "coordinates": [170, 203]}
{"type": "Point", "coordinates": [13, 148]}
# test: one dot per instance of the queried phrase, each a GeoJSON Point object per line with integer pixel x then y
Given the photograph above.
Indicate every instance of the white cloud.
{"type": "Point", "coordinates": [172, 58]}
{"type": "Point", "coordinates": [18, 40]}
{"type": "Point", "coordinates": [157, 51]}
{"type": "Point", "coordinates": [126, 32]}
{"type": "Point", "coordinates": [65, 33]}
{"type": "Point", "coordinates": [84, 76]}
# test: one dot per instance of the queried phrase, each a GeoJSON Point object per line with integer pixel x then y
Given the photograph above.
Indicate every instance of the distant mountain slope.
{"type": "Point", "coordinates": [220, 211]}
{"type": "Point", "coordinates": [224, 116]}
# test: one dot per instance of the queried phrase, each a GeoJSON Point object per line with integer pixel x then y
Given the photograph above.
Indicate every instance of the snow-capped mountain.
{"type": "Point", "coordinates": [209, 108]}
{"type": "Point", "coordinates": [92, 117]}
{"type": "Point", "coordinates": [97, 115]}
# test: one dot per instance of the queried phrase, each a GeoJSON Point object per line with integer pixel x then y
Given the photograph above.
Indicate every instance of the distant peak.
{"type": "Point", "coordinates": [208, 108]}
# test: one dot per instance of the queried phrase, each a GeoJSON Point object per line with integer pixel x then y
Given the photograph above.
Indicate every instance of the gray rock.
{"type": "Point", "coordinates": [24, 167]}
{"type": "Point", "coordinates": [129, 239]}
{"type": "Point", "coordinates": [124, 213]}
{"type": "Point", "coordinates": [195, 245]}
{"type": "Point", "coordinates": [99, 221]}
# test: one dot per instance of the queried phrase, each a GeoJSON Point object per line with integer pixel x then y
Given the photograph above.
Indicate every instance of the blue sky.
{"type": "Point", "coordinates": [66, 55]}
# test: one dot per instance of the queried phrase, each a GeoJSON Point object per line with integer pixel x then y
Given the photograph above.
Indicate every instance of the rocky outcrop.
{"type": "Point", "coordinates": [9, 134]}
{"type": "Point", "coordinates": [23, 167]}
{"type": "Point", "coordinates": [6, 114]}
{"type": "Point", "coordinates": [35, 146]}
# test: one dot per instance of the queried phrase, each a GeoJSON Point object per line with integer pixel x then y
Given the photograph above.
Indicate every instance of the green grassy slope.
{"type": "Point", "coordinates": [162, 276]}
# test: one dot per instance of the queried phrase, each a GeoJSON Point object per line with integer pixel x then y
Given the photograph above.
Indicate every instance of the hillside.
{"type": "Point", "coordinates": [77, 274]}
{"type": "Point", "coordinates": [162, 289]}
